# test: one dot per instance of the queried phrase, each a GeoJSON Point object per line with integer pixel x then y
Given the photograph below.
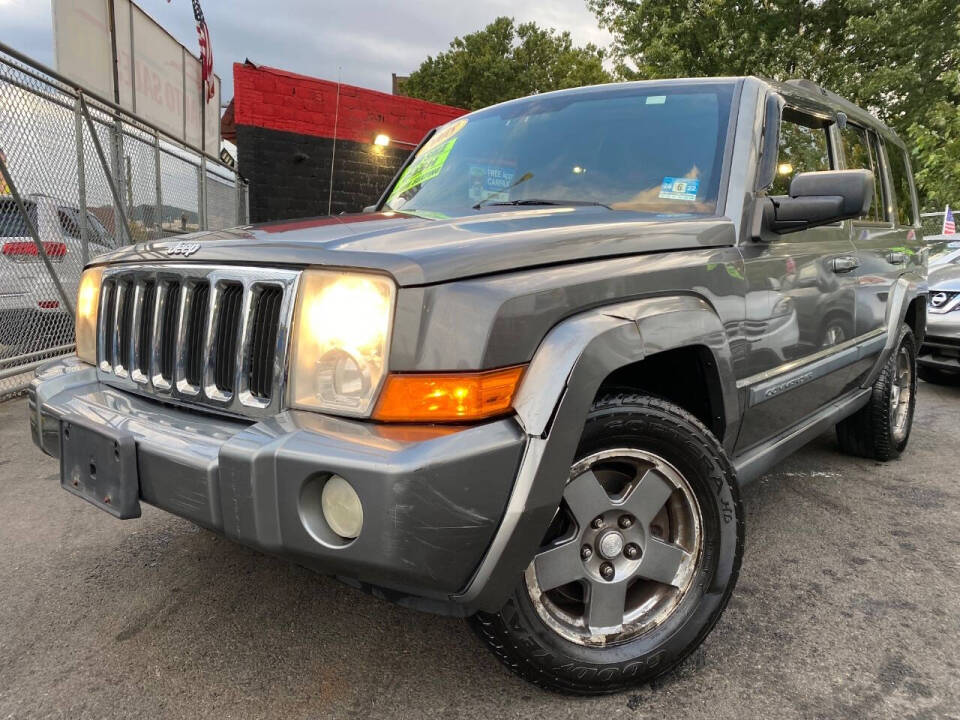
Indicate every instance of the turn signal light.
{"type": "Point", "coordinates": [448, 397]}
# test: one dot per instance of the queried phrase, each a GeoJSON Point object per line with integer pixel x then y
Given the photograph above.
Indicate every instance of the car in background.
{"type": "Point", "coordinates": [939, 358]}
{"type": "Point", "coordinates": [32, 313]}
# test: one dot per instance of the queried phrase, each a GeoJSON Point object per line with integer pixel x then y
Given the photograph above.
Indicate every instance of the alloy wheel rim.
{"type": "Point", "coordinates": [901, 395]}
{"type": "Point", "coordinates": [627, 547]}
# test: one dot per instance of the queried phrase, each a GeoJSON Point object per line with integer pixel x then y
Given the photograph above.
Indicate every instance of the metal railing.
{"type": "Point", "coordinates": [80, 176]}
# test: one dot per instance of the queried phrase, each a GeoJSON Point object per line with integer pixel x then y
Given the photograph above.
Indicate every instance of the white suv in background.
{"type": "Point", "coordinates": [32, 313]}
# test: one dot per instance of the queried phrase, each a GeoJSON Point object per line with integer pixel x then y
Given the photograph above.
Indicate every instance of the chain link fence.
{"type": "Point", "coordinates": [80, 177]}
{"type": "Point", "coordinates": [932, 223]}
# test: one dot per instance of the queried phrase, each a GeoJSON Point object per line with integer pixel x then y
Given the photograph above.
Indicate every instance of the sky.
{"type": "Point", "coordinates": [364, 40]}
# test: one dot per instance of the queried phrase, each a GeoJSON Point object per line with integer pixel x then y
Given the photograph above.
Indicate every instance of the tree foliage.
{"type": "Point", "coordinates": [505, 60]}
{"type": "Point", "coordinates": [900, 59]}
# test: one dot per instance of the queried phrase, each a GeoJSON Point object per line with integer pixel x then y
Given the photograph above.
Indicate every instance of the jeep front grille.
{"type": "Point", "coordinates": [197, 335]}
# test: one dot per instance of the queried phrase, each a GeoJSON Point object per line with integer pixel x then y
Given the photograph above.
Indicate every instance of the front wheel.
{"type": "Point", "coordinates": [639, 561]}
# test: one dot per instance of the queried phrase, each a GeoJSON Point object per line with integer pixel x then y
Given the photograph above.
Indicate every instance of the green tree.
{"type": "Point", "coordinates": [898, 59]}
{"type": "Point", "coordinates": [505, 60]}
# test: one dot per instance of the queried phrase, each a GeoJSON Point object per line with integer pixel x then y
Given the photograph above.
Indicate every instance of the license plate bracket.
{"type": "Point", "coordinates": [100, 465]}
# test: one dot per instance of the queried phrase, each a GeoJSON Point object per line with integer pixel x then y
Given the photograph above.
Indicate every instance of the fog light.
{"type": "Point", "coordinates": [341, 507]}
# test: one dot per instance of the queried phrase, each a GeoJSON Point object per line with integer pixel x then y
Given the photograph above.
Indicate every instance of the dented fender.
{"type": "Point", "coordinates": [560, 385]}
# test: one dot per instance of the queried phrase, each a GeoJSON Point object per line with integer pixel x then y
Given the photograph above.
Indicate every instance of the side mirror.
{"type": "Point", "coordinates": [817, 198]}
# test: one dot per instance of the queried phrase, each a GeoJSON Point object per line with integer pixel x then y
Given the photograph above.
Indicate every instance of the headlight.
{"type": "Point", "coordinates": [340, 342]}
{"type": "Point", "coordinates": [88, 303]}
{"type": "Point", "coordinates": [783, 306]}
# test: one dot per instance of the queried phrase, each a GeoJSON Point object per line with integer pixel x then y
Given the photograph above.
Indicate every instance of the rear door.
{"type": "Point", "coordinates": [873, 234]}
{"type": "Point", "coordinates": [887, 238]}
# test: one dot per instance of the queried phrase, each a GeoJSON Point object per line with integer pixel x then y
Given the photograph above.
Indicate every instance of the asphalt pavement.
{"type": "Point", "coordinates": [848, 606]}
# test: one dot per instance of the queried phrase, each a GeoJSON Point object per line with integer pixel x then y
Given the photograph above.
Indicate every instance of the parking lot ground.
{"type": "Point", "coordinates": [848, 606]}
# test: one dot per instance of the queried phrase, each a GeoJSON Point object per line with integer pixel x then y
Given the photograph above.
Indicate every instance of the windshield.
{"type": "Point", "coordinates": [652, 149]}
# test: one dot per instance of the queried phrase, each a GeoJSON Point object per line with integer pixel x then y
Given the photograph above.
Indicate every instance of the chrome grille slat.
{"type": "Point", "coordinates": [105, 331]}
{"type": "Point", "coordinates": [119, 294]}
{"type": "Point", "coordinates": [170, 339]}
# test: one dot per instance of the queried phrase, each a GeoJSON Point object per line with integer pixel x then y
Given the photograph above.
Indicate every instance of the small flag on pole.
{"type": "Point", "coordinates": [949, 226]}
{"type": "Point", "coordinates": [206, 53]}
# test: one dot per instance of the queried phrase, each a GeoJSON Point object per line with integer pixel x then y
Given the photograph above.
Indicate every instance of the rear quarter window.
{"type": "Point", "coordinates": [12, 223]}
{"type": "Point", "coordinates": [900, 179]}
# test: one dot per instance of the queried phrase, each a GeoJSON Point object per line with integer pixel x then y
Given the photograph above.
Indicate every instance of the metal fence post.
{"type": "Point", "coordinates": [202, 202]}
{"type": "Point", "coordinates": [82, 186]}
{"type": "Point", "coordinates": [116, 142]}
{"type": "Point", "coordinates": [156, 167]}
{"type": "Point", "coordinates": [117, 201]}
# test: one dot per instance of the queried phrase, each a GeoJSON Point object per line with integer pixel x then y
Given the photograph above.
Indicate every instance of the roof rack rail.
{"type": "Point", "coordinates": [807, 85]}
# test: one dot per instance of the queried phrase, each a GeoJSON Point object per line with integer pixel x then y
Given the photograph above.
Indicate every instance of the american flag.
{"type": "Point", "coordinates": [949, 226]}
{"type": "Point", "coordinates": [206, 52]}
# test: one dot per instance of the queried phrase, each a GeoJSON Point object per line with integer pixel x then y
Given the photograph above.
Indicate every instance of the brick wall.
{"type": "Point", "coordinates": [285, 126]}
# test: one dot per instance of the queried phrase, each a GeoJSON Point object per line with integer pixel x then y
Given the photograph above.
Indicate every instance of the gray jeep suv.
{"type": "Point", "coordinates": [526, 386]}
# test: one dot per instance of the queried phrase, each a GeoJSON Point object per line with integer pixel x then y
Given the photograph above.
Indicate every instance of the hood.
{"type": "Point", "coordinates": [944, 277]}
{"type": "Point", "coordinates": [418, 251]}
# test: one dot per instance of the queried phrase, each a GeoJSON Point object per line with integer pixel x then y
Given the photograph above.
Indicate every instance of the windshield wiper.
{"type": "Point", "coordinates": [536, 201]}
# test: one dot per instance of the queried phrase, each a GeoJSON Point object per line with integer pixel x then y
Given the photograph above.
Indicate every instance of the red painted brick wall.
{"type": "Point", "coordinates": [280, 100]}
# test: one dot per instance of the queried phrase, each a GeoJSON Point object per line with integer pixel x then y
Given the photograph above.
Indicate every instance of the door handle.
{"type": "Point", "coordinates": [844, 264]}
{"type": "Point", "coordinates": [896, 258]}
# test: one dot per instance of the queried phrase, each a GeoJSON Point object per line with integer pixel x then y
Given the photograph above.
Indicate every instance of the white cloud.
{"type": "Point", "coordinates": [368, 39]}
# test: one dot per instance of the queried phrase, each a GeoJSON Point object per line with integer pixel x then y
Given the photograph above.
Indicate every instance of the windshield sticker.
{"type": "Point", "coordinates": [679, 189]}
{"type": "Point", "coordinates": [490, 182]}
{"type": "Point", "coordinates": [443, 134]}
{"type": "Point", "coordinates": [656, 99]}
{"type": "Point", "coordinates": [426, 167]}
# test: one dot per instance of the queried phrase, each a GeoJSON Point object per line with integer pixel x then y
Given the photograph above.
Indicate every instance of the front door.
{"type": "Point", "coordinates": [800, 302]}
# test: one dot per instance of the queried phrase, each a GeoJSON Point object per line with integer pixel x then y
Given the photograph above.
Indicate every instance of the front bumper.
{"type": "Point", "coordinates": [433, 497]}
{"type": "Point", "coordinates": [941, 346]}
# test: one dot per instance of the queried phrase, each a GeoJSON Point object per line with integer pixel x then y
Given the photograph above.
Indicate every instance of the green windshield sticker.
{"type": "Point", "coordinates": [426, 167]}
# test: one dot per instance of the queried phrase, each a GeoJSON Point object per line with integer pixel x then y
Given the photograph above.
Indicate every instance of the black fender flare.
{"type": "Point", "coordinates": [560, 385]}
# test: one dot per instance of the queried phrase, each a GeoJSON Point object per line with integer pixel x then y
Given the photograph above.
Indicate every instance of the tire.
{"type": "Point", "coordinates": [881, 429]}
{"type": "Point", "coordinates": [532, 634]}
{"type": "Point", "coordinates": [937, 377]}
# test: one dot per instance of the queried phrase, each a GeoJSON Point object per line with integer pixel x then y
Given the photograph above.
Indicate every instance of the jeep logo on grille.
{"type": "Point", "coordinates": [939, 299]}
{"type": "Point", "coordinates": [184, 248]}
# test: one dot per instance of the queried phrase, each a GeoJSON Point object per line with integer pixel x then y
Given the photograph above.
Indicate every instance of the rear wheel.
{"type": "Point", "coordinates": [881, 429]}
{"type": "Point", "coordinates": [640, 559]}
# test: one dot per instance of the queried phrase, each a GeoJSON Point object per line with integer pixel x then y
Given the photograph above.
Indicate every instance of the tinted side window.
{"type": "Point", "coordinates": [860, 148]}
{"type": "Point", "coordinates": [69, 224]}
{"type": "Point", "coordinates": [12, 223]}
{"type": "Point", "coordinates": [900, 178]}
{"type": "Point", "coordinates": [803, 147]}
